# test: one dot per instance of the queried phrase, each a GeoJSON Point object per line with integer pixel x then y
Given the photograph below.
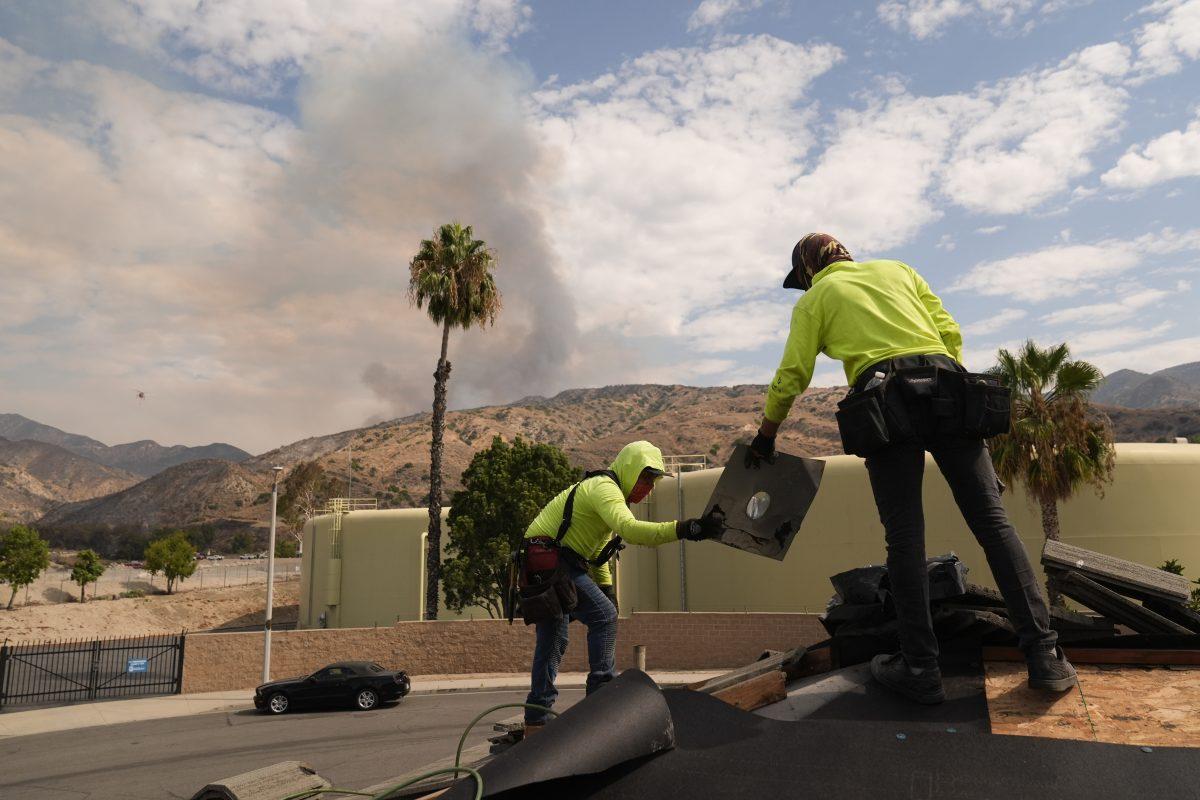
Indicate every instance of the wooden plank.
{"type": "Point", "coordinates": [1112, 605]}
{"type": "Point", "coordinates": [1134, 705]}
{"type": "Point", "coordinates": [783, 661]}
{"type": "Point", "coordinates": [1128, 577]}
{"type": "Point", "coordinates": [268, 783]}
{"type": "Point", "coordinates": [1104, 655]}
{"type": "Point", "coordinates": [756, 692]}
{"type": "Point", "coordinates": [1176, 612]}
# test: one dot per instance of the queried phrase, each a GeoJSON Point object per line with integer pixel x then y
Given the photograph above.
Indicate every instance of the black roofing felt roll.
{"type": "Point", "coordinates": [627, 719]}
{"type": "Point", "coordinates": [721, 752]}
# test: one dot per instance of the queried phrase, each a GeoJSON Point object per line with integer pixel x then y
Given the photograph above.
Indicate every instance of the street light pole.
{"type": "Point", "coordinates": [270, 579]}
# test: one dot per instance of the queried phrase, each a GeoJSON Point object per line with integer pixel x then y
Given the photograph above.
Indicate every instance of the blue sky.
{"type": "Point", "coordinates": [215, 204]}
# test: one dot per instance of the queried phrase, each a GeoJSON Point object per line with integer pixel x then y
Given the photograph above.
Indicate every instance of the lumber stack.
{"type": "Point", "coordinates": [757, 684]}
{"type": "Point", "coordinates": [1142, 598]}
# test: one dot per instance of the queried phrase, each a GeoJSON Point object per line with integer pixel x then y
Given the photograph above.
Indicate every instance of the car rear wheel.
{"type": "Point", "coordinates": [278, 703]}
{"type": "Point", "coordinates": [366, 699]}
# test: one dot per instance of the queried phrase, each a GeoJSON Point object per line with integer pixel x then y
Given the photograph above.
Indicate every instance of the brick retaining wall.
{"type": "Point", "coordinates": [674, 641]}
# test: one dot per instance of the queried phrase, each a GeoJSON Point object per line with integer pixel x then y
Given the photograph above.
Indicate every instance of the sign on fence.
{"type": "Point", "coordinates": [137, 665]}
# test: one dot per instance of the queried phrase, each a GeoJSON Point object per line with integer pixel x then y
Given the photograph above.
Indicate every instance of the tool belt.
{"type": "Point", "coordinates": [545, 591]}
{"type": "Point", "coordinates": [921, 399]}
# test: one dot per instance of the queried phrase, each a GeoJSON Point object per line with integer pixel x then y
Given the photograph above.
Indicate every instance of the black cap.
{"type": "Point", "coordinates": [792, 281]}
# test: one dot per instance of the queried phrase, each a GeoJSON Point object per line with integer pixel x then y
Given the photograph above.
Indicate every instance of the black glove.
{"type": "Point", "coordinates": [760, 450]}
{"type": "Point", "coordinates": [611, 593]}
{"type": "Point", "coordinates": [710, 526]}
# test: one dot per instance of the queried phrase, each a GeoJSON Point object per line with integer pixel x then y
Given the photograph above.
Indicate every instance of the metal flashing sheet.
{"type": "Point", "coordinates": [764, 506]}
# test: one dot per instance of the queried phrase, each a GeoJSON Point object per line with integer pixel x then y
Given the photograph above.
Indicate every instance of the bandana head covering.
{"type": "Point", "coordinates": [813, 253]}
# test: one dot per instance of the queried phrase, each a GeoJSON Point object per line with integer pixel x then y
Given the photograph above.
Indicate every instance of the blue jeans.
{"type": "Point", "coordinates": [596, 612]}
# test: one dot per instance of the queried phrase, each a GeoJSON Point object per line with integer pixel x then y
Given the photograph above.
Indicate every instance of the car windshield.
{"type": "Point", "coordinates": [376, 668]}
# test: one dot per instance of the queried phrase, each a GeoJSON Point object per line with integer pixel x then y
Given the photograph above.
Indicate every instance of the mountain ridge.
{"type": "Point", "coordinates": [144, 457]}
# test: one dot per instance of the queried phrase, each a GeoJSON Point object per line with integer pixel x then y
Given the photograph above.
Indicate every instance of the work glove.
{"type": "Point", "coordinates": [710, 526]}
{"type": "Point", "coordinates": [760, 450]}
{"type": "Point", "coordinates": [611, 593]}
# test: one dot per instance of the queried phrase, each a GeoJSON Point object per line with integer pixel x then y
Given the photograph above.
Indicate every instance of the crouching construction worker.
{"type": "Point", "coordinates": [909, 393]}
{"type": "Point", "coordinates": [564, 570]}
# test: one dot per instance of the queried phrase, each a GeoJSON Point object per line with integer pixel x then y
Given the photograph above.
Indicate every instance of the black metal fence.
{"type": "Point", "coordinates": [57, 672]}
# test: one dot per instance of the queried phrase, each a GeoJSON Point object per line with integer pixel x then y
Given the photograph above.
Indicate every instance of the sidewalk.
{"type": "Point", "coordinates": [115, 712]}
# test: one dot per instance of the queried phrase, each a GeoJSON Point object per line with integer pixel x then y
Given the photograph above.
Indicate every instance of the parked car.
{"type": "Point", "coordinates": [357, 684]}
{"type": "Point", "coordinates": [245, 557]}
{"type": "Point", "coordinates": [200, 556]}
{"type": "Point", "coordinates": [216, 557]}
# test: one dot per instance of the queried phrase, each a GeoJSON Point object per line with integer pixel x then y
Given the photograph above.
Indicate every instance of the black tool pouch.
{"type": "Point", "coordinates": [987, 406]}
{"type": "Point", "coordinates": [861, 423]}
{"type": "Point", "coordinates": [549, 600]}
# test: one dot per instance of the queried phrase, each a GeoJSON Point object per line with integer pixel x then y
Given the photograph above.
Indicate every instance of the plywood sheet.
{"type": "Point", "coordinates": [1123, 705]}
{"type": "Point", "coordinates": [1017, 710]}
{"type": "Point", "coordinates": [1138, 580]}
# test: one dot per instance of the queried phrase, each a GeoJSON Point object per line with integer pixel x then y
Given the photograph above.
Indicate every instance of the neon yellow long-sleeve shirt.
{"type": "Point", "coordinates": [860, 313]}
{"type": "Point", "coordinates": [600, 511]}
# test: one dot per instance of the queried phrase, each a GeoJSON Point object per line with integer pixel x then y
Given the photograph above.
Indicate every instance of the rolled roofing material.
{"type": "Point", "coordinates": [626, 720]}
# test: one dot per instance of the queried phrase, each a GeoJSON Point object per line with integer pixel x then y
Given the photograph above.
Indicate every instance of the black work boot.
{"type": "Point", "coordinates": [893, 672]}
{"type": "Point", "coordinates": [1049, 670]}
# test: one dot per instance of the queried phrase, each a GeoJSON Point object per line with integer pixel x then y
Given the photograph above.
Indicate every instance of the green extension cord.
{"type": "Point", "coordinates": [455, 770]}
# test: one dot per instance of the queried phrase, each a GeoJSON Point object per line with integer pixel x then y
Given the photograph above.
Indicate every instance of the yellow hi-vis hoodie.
{"type": "Point", "coordinates": [860, 313]}
{"type": "Point", "coordinates": [600, 510]}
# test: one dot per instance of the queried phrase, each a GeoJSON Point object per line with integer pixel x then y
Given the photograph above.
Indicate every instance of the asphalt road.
{"type": "Point", "coordinates": [175, 757]}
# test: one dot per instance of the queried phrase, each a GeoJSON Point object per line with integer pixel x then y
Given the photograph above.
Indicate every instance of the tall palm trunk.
{"type": "Point", "coordinates": [433, 555]}
{"type": "Point", "coordinates": [1050, 529]}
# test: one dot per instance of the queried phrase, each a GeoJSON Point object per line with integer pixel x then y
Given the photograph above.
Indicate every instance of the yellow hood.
{"type": "Point", "coordinates": [633, 458]}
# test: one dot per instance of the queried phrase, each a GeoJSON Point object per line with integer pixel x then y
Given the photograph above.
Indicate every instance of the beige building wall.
{"type": "Point", "coordinates": [1146, 515]}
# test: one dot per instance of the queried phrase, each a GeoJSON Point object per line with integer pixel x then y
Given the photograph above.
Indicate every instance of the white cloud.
{"type": "Point", "coordinates": [946, 243]}
{"type": "Point", "coordinates": [1149, 357]}
{"type": "Point", "coordinates": [255, 47]}
{"type": "Point", "coordinates": [672, 171]}
{"type": "Point", "coordinates": [712, 13]}
{"type": "Point", "coordinates": [991, 229]}
{"type": "Point", "coordinates": [1025, 139]}
{"type": "Point", "coordinates": [1068, 270]}
{"type": "Point", "coordinates": [745, 326]}
{"type": "Point", "coordinates": [930, 18]}
{"type": "Point", "coordinates": [994, 322]}
{"type": "Point", "coordinates": [1106, 313]}
{"type": "Point", "coordinates": [1165, 43]}
{"type": "Point", "coordinates": [1172, 155]}
{"type": "Point", "coordinates": [1087, 343]}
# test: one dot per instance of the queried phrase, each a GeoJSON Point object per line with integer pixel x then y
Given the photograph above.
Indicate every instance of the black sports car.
{"type": "Point", "coordinates": [359, 684]}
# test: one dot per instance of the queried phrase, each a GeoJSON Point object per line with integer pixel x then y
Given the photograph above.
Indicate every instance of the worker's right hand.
{"type": "Point", "coordinates": [760, 450]}
{"type": "Point", "coordinates": [710, 526]}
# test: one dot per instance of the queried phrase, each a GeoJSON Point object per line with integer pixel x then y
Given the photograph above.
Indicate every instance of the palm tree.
{"type": "Point", "coordinates": [1057, 442]}
{"type": "Point", "coordinates": [451, 277]}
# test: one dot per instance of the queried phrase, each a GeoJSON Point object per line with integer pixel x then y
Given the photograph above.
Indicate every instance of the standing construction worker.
{"type": "Point", "coordinates": [902, 353]}
{"type": "Point", "coordinates": [565, 569]}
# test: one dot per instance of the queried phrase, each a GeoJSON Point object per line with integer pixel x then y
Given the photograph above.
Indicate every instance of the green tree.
{"type": "Point", "coordinates": [23, 556]}
{"type": "Point", "coordinates": [303, 493]}
{"type": "Point", "coordinates": [451, 277]}
{"type": "Point", "coordinates": [88, 569]}
{"type": "Point", "coordinates": [1057, 442]}
{"type": "Point", "coordinates": [504, 488]}
{"type": "Point", "coordinates": [286, 548]}
{"type": "Point", "coordinates": [173, 556]}
{"type": "Point", "coordinates": [203, 536]}
{"type": "Point", "coordinates": [241, 542]}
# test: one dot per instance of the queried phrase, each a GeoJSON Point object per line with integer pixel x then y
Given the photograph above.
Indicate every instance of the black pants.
{"type": "Point", "coordinates": [896, 474]}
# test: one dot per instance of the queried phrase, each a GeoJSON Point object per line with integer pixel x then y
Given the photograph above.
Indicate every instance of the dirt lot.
{"type": "Point", "coordinates": [197, 609]}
